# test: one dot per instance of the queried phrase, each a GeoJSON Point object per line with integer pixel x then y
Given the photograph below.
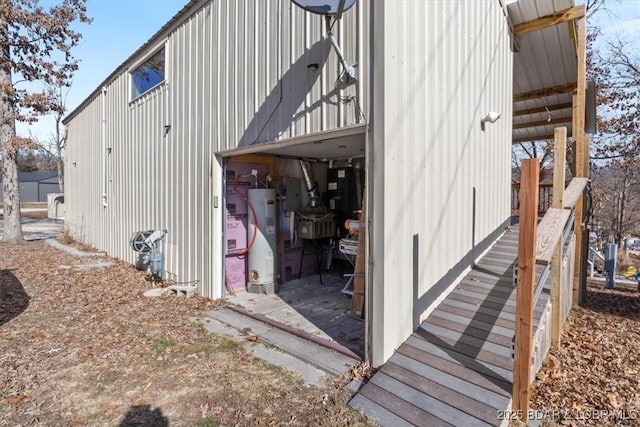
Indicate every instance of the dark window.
{"type": "Point", "coordinates": [148, 75]}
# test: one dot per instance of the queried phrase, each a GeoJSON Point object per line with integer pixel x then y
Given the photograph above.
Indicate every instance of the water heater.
{"type": "Point", "coordinates": [262, 232]}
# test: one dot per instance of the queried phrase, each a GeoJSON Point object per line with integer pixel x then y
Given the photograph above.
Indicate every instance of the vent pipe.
{"type": "Point", "coordinates": [310, 183]}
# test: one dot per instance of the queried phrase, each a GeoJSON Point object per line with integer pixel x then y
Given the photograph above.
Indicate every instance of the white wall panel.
{"type": "Point", "coordinates": [236, 75]}
{"type": "Point", "coordinates": [444, 65]}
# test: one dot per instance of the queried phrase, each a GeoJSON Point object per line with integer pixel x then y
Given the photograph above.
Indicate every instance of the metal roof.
{"type": "Point", "coordinates": [544, 59]}
{"type": "Point", "coordinates": [544, 68]}
{"type": "Point", "coordinates": [36, 176]}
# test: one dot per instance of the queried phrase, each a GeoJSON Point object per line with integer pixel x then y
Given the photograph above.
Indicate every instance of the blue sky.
{"type": "Point", "coordinates": [119, 27]}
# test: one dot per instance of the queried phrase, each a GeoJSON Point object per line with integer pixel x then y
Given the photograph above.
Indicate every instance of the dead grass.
{"type": "Point", "coordinates": [84, 347]}
{"type": "Point", "coordinates": [31, 214]}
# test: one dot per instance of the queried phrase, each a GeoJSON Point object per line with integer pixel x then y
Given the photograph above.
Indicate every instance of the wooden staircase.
{"type": "Point", "coordinates": [456, 368]}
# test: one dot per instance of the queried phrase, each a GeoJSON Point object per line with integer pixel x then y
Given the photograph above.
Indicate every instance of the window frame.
{"type": "Point", "coordinates": [140, 63]}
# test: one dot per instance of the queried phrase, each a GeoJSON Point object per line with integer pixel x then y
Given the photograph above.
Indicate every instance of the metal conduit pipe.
{"type": "Point", "coordinates": [103, 147]}
{"type": "Point", "coordinates": [297, 332]}
{"type": "Point", "coordinates": [310, 183]}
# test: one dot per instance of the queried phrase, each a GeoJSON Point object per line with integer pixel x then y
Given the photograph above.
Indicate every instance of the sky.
{"type": "Point", "coordinates": [120, 27]}
{"type": "Point", "coordinates": [621, 17]}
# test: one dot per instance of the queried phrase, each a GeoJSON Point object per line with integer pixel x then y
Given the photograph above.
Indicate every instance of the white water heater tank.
{"type": "Point", "coordinates": [262, 261]}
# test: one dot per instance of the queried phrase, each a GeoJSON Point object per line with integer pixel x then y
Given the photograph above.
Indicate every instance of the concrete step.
{"type": "Point", "coordinates": [305, 351]}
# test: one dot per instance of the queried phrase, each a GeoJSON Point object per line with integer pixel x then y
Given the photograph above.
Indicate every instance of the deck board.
{"type": "Point", "coordinates": [444, 394]}
{"type": "Point", "coordinates": [318, 309]}
{"type": "Point", "coordinates": [442, 413]}
{"type": "Point", "coordinates": [446, 359]}
{"type": "Point", "coordinates": [377, 412]}
{"type": "Point", "coordinates": [495, 338]}
{"type": "Point", "coordinates": [400, 407]}
{"type": "Point", "coordinates": [467, 349]}
{"type": "Point", "coordinates": [465, 338]}
{"type": "Point", "coordinates": [449, 380]}
{"type": "Point", "coordinates": [457, 366]}
{"type": "Point", "coordinates": [472, 323]}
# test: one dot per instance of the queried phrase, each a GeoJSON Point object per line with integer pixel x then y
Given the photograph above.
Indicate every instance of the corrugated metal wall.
{"type": "Point", "coordinates": [445, 65]}
{"type": "Point", "coordinates": [236, 75]}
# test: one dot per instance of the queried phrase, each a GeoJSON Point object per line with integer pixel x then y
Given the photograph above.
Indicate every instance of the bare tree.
{"type": "Point", "coordinates": [35, 46]}
{"type": "Point", "coordinates": [615, 201]}
{"type": "Point", "coordinates": [51, 150]}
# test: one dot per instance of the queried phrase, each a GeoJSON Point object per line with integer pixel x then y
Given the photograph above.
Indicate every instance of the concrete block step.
{"type": "Point", "coordinates": [321, 357]}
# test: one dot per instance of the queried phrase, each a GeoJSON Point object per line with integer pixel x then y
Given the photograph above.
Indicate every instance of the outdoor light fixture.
{"type": "Point", "coordinates": [313, 67]}
{"type": "Point", "coordinates": [491, 117]}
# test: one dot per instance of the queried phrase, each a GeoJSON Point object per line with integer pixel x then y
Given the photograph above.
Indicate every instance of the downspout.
{"type": "Point", "coordinates": [103, 146]}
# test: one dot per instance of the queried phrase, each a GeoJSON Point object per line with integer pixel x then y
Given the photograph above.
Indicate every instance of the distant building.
{"type": "Point", "coordinates": [34, 186]}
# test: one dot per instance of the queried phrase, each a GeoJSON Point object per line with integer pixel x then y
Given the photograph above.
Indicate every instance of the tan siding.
{"type": "Point", "coordinates": [236, 75]}
{"type": "Point", "coordinates": [446, 64]}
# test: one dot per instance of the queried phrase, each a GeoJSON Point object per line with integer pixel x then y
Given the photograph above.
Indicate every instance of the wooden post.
{"type": "Point", "coordinates": [559, 167]}
{"type": "Point", "coordinates": [581, 155]}
{"type": "Point", "coordinates": [527, 244]}
{"type": "Point", "coordinates": [582, 291]}
{"type": "Point", "coordinates": [359, 283]}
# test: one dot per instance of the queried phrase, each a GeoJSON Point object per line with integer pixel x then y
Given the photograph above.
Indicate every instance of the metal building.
{"type": "Point", "coordinates": [429, 120]}
{"type": "Point", "coordinates": [34, 186]}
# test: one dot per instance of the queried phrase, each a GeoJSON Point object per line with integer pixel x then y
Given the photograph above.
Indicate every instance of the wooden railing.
{"type": "Point", "coordinates": [545, 196]}
{"type": "Point", "coordinates": [542, 244]}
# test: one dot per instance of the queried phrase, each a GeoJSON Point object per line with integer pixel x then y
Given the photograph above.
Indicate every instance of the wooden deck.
{"type": "Point", "coordinates": [319, 310]}
{"type": "Point", "coordinates": [456, 369]}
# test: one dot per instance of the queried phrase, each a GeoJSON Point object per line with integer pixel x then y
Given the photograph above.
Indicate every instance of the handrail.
{"type": "Point", "coordinates": [543, 245]}
{"type": "Point", "coordinates": [573, 192]}
{"type": "Point", "coordinates": [550, 230]}
{"type": "Point", "coordinates": [563, 239]}
{"type": "Point", "coordinates": [595, 253]}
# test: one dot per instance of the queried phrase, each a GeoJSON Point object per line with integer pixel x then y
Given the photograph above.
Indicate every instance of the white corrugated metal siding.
{"type": "Point", "coordinates": [236, 75]}
{"type": "Point", "coordinates": [440, 67]}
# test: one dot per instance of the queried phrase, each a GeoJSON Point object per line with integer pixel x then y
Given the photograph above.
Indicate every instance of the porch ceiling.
{"type": "Point", "coordinates": [545, 68]}
{"type": "Point", "coordinates": [347, 142]}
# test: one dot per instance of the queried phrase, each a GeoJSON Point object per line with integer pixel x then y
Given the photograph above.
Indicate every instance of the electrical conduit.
{"type": "Point", "coordinates": [103, 147]}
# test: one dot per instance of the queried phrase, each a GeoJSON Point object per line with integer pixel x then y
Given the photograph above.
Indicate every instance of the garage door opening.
{"type": "Point", "coordinates": [294, 251]}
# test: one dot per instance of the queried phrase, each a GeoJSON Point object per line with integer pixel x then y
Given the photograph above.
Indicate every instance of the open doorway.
{"type": "Point", "coordinates": [292, 232]}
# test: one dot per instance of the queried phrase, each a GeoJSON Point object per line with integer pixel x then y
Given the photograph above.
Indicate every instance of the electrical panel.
{"type": "Point", "coordinates": [345, 187]}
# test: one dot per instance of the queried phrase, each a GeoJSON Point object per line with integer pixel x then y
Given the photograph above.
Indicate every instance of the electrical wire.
{"type": "Point", "coordinates": [589, 194]}
{"type": "Point", "coordinates": [300, 214]}
{"type": "Point", "coordinates": [189, 283]}
{"type": "Point", "coordinates": [172, 281]}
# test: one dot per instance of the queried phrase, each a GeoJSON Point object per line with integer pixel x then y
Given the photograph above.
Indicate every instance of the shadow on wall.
{"type": "Point", "coordinates": [144, 415]}
{"type": "Point", "coordinates": [13, 298]}
{"type": "Point", "coordinates": [282, 106]}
